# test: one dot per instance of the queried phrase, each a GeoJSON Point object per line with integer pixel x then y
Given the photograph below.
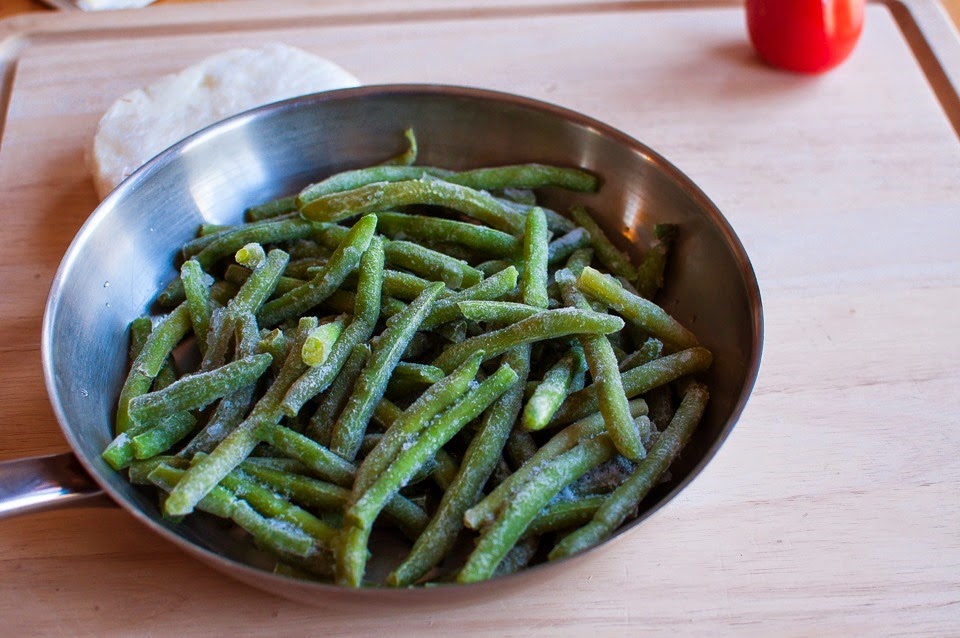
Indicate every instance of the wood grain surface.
{"type": "Point", "coordinates": [831, 510]}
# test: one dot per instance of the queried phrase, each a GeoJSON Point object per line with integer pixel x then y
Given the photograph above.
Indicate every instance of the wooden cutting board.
{"type": "Point", "coordinates": [832, 509]}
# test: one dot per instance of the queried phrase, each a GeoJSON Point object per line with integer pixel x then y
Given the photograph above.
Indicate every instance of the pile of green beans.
{"type": "Point", "coordinates": [418, 349]}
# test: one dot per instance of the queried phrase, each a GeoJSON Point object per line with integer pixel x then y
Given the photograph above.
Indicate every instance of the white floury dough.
{"type": "Point", "coordinates": [146, 121]}
{"type": "Point", "coordinates": [102, 5]}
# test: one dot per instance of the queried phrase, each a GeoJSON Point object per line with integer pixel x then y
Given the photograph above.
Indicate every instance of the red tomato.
{"type": "Point", "coordinates": [809, 36]}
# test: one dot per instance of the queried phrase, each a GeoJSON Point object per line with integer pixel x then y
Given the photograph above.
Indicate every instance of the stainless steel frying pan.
{"type": "Point", "coordinates": [125, 253]}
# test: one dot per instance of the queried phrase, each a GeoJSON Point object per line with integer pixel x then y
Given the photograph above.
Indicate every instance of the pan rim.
{"type": "Point", "coordinates": [260, 577]}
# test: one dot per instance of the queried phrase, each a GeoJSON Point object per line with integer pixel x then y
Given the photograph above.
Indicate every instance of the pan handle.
{"type": "Point", "coordinates": [44, 483]}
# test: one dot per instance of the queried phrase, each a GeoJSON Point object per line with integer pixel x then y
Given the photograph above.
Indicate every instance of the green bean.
{"type": "Point", "coordinates": [400, 285]}
{"type": "Point", "coordinates": [637, 381]}
{"type": "Point", "coordinates": [446, 471]}
{"type": "Point", "coordinates": [407, 157]}
{"type": "Point", "coordinates": [527, 176]}
{"type": "Point", "coordinates": [654, 262]}
{"type": "Point", "coordinates": [350, 180]}
{"type": "Point", "coordinates": [609, 255]}
{"type": "Point", "coordinates": [119, 452]}
{"type": "Point", "coordinates": [628, 496]}
{"type": "Point", "coordinates": [411, 378]}
{"type": "Point", "coordinates": [372, 383]}
{"type": "Point", "coordinates": [562, 248]}
{"type": "Point", "coordinates": [520, 447]}
{"type": "Point", "coordinates": [140, 469]}
{"type": "Point", "coordinates": [277, 508]}
{"type": "Point", "coordinates": [210, 249]}
{"type": "Point", "coordinates": [503, 534]}
{"type": "Point", "coordinates": [320, 342]}
{"type": "Point", "coordinates": [196, 286]}
{"type": "Point", "coordinates": [478, 464]}
{"type": "Point", "coordinates": [523, 196]}
{"type": "Point", "coordinates": [650, 350]}
{"type": "Point", "coordinates": [261, 283]}
{"type": "Point", "coordinates": [561, 515]}
{"type": "Point", "coordinates": [221, 502]}
{"type": "Point", "coordinates": [221, 292]}
{"type": "Point", "coordinates": [230, 241]}
{"type": "Point", "coordinates": [197, 391]}
{"type": "Point", "coordinates": [431, 264]}
{"type": "Point", "coordinates": [423, 228]}
{"type": "Point", "coordinates": [276, 344]}
{"type": "Point", "coordinates": [359, 518]}
{"type": "Point", "coordinates": [386, 414]}
{"type": "Point", "coordinates": [606, 377]}
{"type": "Point", "coordinates": [483, 513]}
{"type": "Point", "coordinates": [661, 406]}
{"type": "Point", "coordinates": [203, 476]}
{"type": "Point", "coordinates": [518, 557]}
{"type": "Point", "coordinates": [408, 424]}
{"type": "Point", "coordinates": [499, 312]}
{"type": "Point", "coordinates": [580, 259]}
{"type": "Point", "coordinates": [305, 268]}
{"type": "Point", "coordinates": [494, 266]}
{"type": "Point", "coordinates": [311, 492]}
{"type": "Point", "coordinates": [250, 256]}
{"type": "Point", "coordinates": [609, 476]}
{"type": "Point", "coordinates": [317, 379]}
{"type": "Point", "coordinates": [556, 223]}
{"type": "Point", "coordinates": [447, 309]}
{"type": "Point", "coordinates": [551, 392]}
{"type": "Point", "coordinates": [139, 330]}
{"type": "Point", "coordinates": [228, 414]}
{"type": "Point", "coordinates": [383, 196]}
{"type": "Point", "coordinates": [331, 405]}
{"type": "Point", "coordinates": [163, 435]}
{"type": "Point", "coordinates": [646, 314]}
{"type": "Point", "coordinates": [157, 347]}
{"type": "Point", "coordinates": [212, 229]}
{"type": "Point", "coordinates": [548, 324]}
{"type": "Point", "coordinates": [533, 279]}
{"type": "Point", "coordinates": [273, 208]}
{"type": "Point", "coordinates": [321, 461]}
{"type": "Point", "coordinates": [344, 259]}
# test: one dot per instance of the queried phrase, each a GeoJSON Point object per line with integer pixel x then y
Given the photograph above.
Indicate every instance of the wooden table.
{"type": "Point", "coordinates": [12, 7]}
{"type": "Point", "coordinates": [832, 509]}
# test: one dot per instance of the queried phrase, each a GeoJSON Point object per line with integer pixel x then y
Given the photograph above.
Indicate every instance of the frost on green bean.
{"type": "Point", "coordinates": [527, 176]}
{"type": "Point", "coordinates": [628, 496]}
{"type": "Point", "coordinates": [603, 365]}
{"type": "Point", "coordinates": [331, 404]}
{"type": "Point", "coordinates": [423, 228]}
{"type": "Point", "coordinates": [205, 475]}
{"type": "Point", "coordinates": [553, 389]}
{"type": "Point", "coordinates": [606, 253]}
{"type": "Point", "coordinates": [407, 424]}
{"type": "Point", "coordinates": [383, 196]}
{"type": "Point", "coordinates": [359, 518]}
{"type": "Point", "coordinates": [196, 391]}
{"type": "Point", "coordinates": [548, 324]}
{"type": "Point", "coordinates": [478, 464]}
{"type": "Point", "coordinates": [533, 279]}
{"type": "Point", "coordinates": [372, 383]}
{"type": "Point", "coordinates": [504, 533]}
{"type": "Point", "coordinates": [646, 314]}
{"type": "Point", "coordinates": [344, 259]}
{"type": "Point", "coordinates": [168, 332]}
{"type": "Point", "coordinates": [320, 342]}
{"type": "Point", "coordinates": [637, 381]}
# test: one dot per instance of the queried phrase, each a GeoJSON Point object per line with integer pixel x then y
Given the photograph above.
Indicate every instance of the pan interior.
{"type": "Point", "coordinates": [127, 250]}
